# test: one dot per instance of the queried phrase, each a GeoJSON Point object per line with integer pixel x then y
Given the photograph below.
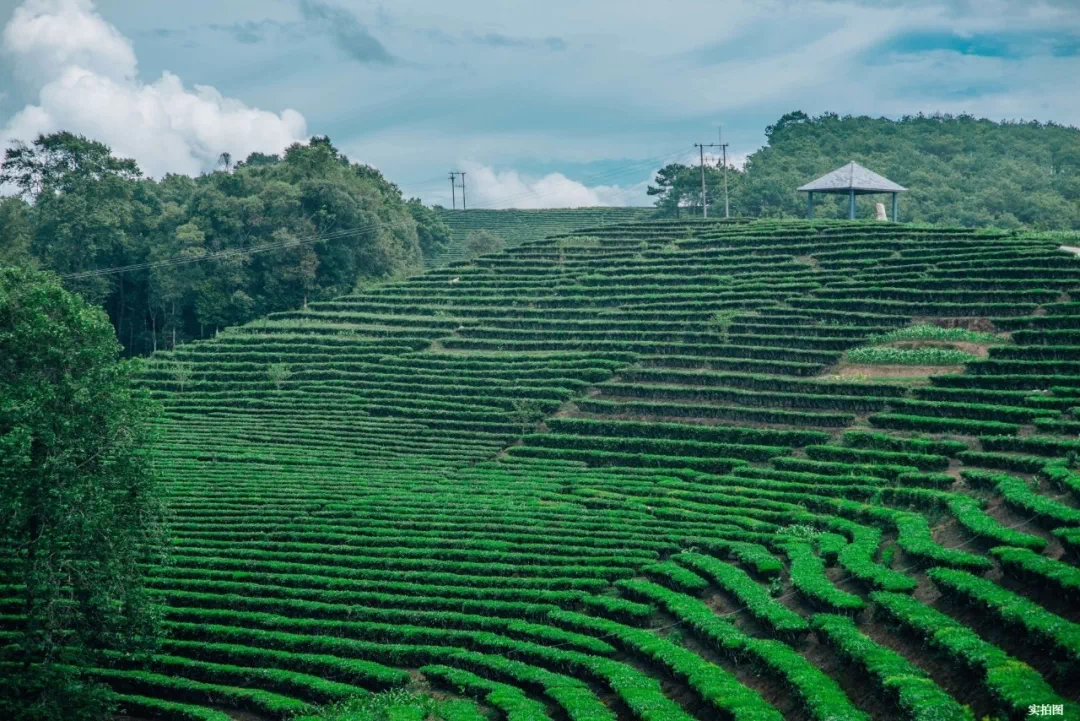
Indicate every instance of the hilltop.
{"type": "Point", "coordinates": [961, 170]}
{"type": "Point", "coordinates": [516, 226]}
{"type": "Point", "coordinates": [674, 470]}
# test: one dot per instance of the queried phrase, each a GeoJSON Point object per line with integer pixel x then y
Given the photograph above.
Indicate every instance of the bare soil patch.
{"type": "Point", "coordinates": [849, 370]}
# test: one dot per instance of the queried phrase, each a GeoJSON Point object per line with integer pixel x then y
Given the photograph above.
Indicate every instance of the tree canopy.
{"type": "Point", "coordinates": [960, 170]}
{"type": "Point", "coordinates": [306, 225]}
{"type": "Point", "coordinates": [482, 242]}
{"type": "Point", "coordinates": [79, 505]}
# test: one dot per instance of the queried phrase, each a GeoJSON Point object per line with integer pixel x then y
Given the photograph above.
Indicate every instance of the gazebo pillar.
{"type": "Point", "coordinates": [810, 204]}
{"type": "Point", "coordinates": [894, 207]}
{"type": "Point", "coordinates": [851, 207]}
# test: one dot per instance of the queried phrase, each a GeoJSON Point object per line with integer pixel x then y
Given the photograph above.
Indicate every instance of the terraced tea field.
{"type": "Point", "coordinates": [516, 226]}
{"type": "Point", "coordinates": [629, 473]}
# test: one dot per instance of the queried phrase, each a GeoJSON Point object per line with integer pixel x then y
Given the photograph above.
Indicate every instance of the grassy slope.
{"type": "Point", "coordinates": [396, 501]}
{"type": "Point", "coordinates": [522, 226]}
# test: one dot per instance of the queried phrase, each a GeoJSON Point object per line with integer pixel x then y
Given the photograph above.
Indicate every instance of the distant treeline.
{"type": "Point", "coordinates": [81, 209]}
{"type": "Point", "coordinates": [960, 171]}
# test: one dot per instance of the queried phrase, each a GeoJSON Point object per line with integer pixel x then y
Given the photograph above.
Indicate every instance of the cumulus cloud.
{"type": "Point", "coordinates": [45, 37]}
{"type": "Point", "coordinates": [84, 71]}
{"type": "Point", "coordinates": [490, 188]}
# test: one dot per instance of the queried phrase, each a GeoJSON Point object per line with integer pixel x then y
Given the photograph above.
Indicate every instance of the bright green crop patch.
{"type": "Point", "coordinates": [910, 356]}
{"type": "Point", "coordinates": [928, 332]}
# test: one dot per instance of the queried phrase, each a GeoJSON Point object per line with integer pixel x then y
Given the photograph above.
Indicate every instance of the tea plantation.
{"type": "Point", "coordinates": [516, 226]}
{"type": "Point", "coordinates": [630, 473]}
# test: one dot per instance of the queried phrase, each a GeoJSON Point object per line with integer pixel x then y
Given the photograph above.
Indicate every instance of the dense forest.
{"type": "Point", "coordinates": [960, 170]}
{"type": "Point", "coordinates": [78, 209]}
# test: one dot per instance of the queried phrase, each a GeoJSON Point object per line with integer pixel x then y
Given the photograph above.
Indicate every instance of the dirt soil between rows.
{"type": "Point", "coordinates": [847, 370]}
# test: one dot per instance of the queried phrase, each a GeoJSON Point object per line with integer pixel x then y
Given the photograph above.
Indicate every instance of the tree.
{"type": "Point", "coordinates": [182, 373]}
{"type": "Point", "coordinates": [432, 231]}
{"type": "Point", "coordinates": [960, 170]}
{"type": "Point", "coordinates": [80, 511]}
{"type": "Point", "coordinates": [16, 229]}
{"type": "Point", "coordinates": [84, 204]}
{"type": "Point", "coordinates": [526, 413]}
{"type": "Point", "coordinates": [278, 373]}
{"type": "Point", "coordinates": [670, 188]}
{"type": "Point", "coordinates": [62, 162]}
{"type": "Point", "coordinates": [482, 242]}
{"type": "Point", "coordinates": [678, 187]}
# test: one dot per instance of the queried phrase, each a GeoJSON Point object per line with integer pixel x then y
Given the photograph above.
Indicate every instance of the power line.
{"type": "Point", "coordinates": [701, 150]}
{"type": "Point", "coordinates": [723, 147]}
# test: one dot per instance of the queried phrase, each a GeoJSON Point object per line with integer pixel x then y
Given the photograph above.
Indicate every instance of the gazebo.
{"type": "Point", "coordinates": [851, 180]}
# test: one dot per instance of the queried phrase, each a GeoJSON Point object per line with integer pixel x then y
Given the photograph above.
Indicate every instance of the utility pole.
{"type": "Point", "coordinates": [723, 147]}
{"type": "Point", "coordinates": [453, 188]}
{"type": "Point", "coordinates": [701, 152]}
{"type": "Point", "coordinates": [463, 190]}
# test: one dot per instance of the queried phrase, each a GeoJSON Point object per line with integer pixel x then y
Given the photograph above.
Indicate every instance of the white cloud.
{"type": "Point", "coordinates": [490, 188]}
{"type": "Point", "coordinates": [47, 36]}
{"type": "Point", "coordinates": [85, 75]}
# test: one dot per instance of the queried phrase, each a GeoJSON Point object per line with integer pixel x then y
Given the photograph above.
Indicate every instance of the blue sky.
{"type": "Point", "coordinates": [554, 103]}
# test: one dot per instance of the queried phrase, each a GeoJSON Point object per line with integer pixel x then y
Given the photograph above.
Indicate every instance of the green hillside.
{"type": "Point", "coordinates": [632, 474]}
{"type": "Point", "coordinates": [522, 226]}
{"type": "Point", "coordinates": [960, 170]}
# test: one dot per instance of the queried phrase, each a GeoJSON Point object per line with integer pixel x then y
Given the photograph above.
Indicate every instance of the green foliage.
{"type": "Point", "coordinates": [715, 685]}
{"type": "Point", "coordinates": [1018, 494]}
{"type": "Point", "coordinates": [398, 705]}
{"type": "Point", "coordinates": [720, 323]}
{"type": "Point", "coordinates": [930, 332]}
{"type": "Point", "coordinates": [961, 170]}
{"type": "Point", "coordinates": [1013, 685]}
{"type": "Point", "coordinates": [1039, 569]}
{"type": "Point", "coordinates": [527, 412]}
{"type": "Point", "coordinates": [1061, 636]}
{"type": "Point", "coordinates": [754, 597]}
{"type": "Point", "coordinates": [15, 232]}
{"type": "Point", "coordinates": [384, 512]}
{"type": "Point", "coordinates": [913, 690]}
{"type": "Point", "coordinates": [278, 373]}
{"type": "Point", "coordinates": [182, 372]}
{"type": "Point", "coordinates": [809, 579]}
{"type": "Point", "coordinates": [678, 191]}
{"type": "Point", "coordinates": [432, 232]}
{"type": "Point", "coordinates": [90, 210]}
{"type": "Point", "coordinates": [910, 356]}
{"type": "Point", "coordinates": [824, 699]}
{"type": "Point", "coordinates": [79, 503]}
{"type": "Point", "coordinates": [518, 226]}
{"type": "Point", "coordinates": [674, 575]}
{"type": "Point", "coordinates": [483, 242]}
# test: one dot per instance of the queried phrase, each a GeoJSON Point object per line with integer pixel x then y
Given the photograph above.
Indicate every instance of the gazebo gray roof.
{"type": "Point", "coordinates": [853, 177]}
